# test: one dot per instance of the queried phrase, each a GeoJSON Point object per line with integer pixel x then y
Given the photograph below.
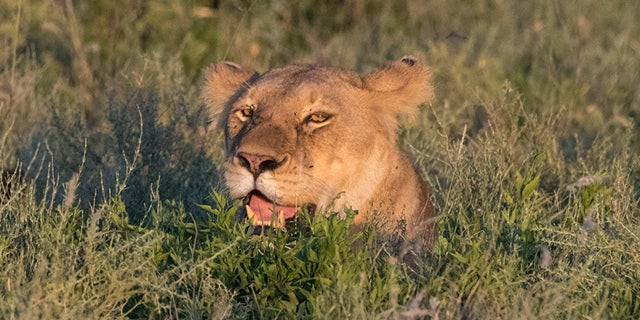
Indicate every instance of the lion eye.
{"type": "Point", "coordinates": [318, 117]}
{"type": "Point", "coordinates": [245, 112]}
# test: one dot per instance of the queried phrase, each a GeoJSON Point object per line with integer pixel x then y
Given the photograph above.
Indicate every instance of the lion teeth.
{"type": "Point", "coordinates": [256, 221]}
{"type": "Point", "coordinates": [250, 213]}
{"type": "Point", "coordinates": [280, 222]}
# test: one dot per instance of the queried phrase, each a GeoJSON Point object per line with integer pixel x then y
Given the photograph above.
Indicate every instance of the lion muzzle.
{"type": "Point", "coordinates": [256, 164]}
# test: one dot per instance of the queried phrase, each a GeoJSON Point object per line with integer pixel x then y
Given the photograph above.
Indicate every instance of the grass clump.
{"type": "Point", "coordinates": [514, 233]}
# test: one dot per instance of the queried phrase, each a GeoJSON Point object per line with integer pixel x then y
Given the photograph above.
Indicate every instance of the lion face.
{"type": "Point", "coordinates": [310, 135]}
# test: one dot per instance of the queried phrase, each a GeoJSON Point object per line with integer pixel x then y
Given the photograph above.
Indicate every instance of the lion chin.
{"type": "Point", "coordinates": [318, 138]}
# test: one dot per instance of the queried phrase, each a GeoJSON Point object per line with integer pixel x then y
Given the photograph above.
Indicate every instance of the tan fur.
{"type": "Point", "coordinates": [349, 160]}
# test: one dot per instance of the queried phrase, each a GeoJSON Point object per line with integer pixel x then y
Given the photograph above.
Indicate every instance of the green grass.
{"type": "Point", "coordinates": [531, 150]}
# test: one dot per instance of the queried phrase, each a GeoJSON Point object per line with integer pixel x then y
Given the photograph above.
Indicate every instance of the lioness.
{"type": "Point", "coordinates": [323, 137]}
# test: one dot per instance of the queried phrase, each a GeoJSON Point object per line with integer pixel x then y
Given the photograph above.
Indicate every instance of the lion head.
{"type": "Point", "coordinates": [322, 137]}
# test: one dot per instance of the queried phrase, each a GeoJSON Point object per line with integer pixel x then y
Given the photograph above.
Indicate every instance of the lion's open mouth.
{"type": "Point", "coordinates": [264, 213]}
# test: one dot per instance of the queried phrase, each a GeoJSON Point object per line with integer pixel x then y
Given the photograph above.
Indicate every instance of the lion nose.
{"type": "Point", "coordinates": [257, 164]}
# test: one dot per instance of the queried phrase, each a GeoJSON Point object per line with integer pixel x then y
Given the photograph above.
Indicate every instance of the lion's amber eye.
{"type": "Point", "coordinates": [245, 112]}
{"type": "Point", "coordinates": [318, 117]}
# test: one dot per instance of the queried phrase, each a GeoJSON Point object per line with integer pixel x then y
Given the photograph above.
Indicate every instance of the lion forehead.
{"type": "Point", "coordinates": [304, 89]}
{"type": "Point", "coordinates": [291, 77]}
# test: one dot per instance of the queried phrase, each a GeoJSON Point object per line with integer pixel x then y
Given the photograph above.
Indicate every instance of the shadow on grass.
{"type": "Point", "coordinates": [152, 147]}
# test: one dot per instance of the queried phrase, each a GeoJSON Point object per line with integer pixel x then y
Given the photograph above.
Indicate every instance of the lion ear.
{"type": "Point", "coordinates": [399, 87]}
{"type": "Point", "coordinates": [222, 81]}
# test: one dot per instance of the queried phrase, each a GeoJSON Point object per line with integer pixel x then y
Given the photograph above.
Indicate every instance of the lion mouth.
{"type": "Point", "coordinates": [265, 213]}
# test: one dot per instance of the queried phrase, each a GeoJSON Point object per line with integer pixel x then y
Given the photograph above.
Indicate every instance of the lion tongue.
{"type": "Point", "coordinates": [263, 209]}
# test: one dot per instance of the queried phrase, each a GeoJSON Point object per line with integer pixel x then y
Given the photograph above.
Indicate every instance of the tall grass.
{"type": "Point", "coordinates": [530, 150]}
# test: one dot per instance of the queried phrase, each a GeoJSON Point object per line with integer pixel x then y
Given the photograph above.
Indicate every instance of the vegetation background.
{"type": "Point", "coordinates": [531, 150]}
